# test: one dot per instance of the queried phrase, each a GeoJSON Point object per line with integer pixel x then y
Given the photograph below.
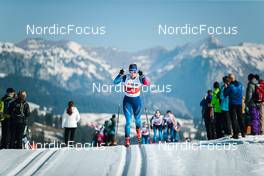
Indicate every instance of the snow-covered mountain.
{"type": "Point", "coordinates": [74, 68]}
{"type": "Point", "coordinates": [196, 67]}
{"type": "Point", "coordinates": [64, 63]}
{"type": "Point", "coordinates": [191, 69]}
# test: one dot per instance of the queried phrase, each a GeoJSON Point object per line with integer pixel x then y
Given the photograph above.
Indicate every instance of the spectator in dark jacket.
{"type": "Point", "coordinates": [208, 115]}
{"type": "Point", "coordinates": [110, 131]}
{"type": "Point", "coordinates": [20, 112]}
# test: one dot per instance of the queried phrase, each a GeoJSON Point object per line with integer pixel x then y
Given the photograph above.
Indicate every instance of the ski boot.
{"type": "Point", "coordinates": [113, 143]}
{"type": "Point", "coordinates": [138, 135]}
{"type": "Point", "coordinates": [127, 141]}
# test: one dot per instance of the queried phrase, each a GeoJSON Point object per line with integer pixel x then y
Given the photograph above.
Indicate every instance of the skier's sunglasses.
{"type": "Point", "coordinates": [132, 71]}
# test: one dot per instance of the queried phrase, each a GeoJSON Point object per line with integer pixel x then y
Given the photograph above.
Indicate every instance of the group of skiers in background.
{"type": "Point", "coordinates": [14, 114]}
{"type": "Point", "coordinates": [164, 128]}
{"type": "Point", "coordinates": [226, 112]}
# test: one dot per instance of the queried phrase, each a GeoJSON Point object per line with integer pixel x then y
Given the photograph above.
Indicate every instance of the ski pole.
{"type": "Point", "coordinates": [118, 111]}
{"type": "Point", "coordinates": [145, 109]}
{"type": "Point", "coordinates": [117, 122]}
{"type": "Point", "coordinates": [150, 141]}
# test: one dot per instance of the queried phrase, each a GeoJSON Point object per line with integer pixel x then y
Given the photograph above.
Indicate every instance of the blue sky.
{"type": "Point", "coordinates": [132, 25]}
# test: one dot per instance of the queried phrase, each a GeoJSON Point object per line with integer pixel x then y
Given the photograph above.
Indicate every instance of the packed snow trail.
{"type": "Point", "coordinates": [245, 157]}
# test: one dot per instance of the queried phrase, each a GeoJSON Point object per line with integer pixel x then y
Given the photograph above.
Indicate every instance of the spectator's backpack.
{"type": "Point", "coordinates": [4, 105]}
{"type": "Point", "coordinates": [18, 111]}
{"type": "Point", "coordinates": [258, 95]}
{"type": "Point", "coordinates": [218, 96]}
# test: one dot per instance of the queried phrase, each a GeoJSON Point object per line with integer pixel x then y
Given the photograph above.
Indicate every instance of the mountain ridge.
{"type": "Point", "coordinates": [191, 68]}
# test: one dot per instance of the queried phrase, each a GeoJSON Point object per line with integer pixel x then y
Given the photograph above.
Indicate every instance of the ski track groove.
{"type": "Point", "coordinates": [136, 162]}
{"type": "Point", "coordinates": [32, 168]}
{"type": "Point", "coordinates": [143, 157]}
{"type": "Point", "coordinates": [23, 166]}
{"type": "Point", "coordinates": [127, 162]}
{"type": "Point", "coordinates": [122, 162]}
{"type": "Point", "coordinates": [45, 161]}
{"type": "Point", "coordinates": [121, 165]}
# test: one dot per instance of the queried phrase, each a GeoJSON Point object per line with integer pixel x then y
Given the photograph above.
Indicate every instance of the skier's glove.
{"type": "Point", "coordinates": [121, 72]}
{"type": "Point", "coordinates": [140, 73]}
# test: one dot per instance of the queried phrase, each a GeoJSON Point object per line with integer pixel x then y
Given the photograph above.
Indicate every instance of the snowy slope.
{"type": "Point", "coordinates": [244, 159]}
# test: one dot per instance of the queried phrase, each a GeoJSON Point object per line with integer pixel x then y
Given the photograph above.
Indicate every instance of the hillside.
{"type": "Point", "coordinates": [190, 69]}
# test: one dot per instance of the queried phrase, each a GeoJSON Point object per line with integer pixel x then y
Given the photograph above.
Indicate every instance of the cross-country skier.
{"type": "Point", "coordinates": [156, 124]}
{"type": "Point", "coordinates": [145, 134]}
{"type": "Point", "coordinates": [168, 126]}
{"type": "Point", "coordinates": [176, 130]}
{"type": "Point", "coordinates": [132, 83]}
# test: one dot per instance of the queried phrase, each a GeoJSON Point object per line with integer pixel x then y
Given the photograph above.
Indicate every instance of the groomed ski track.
{"type": "Point", "coordinates": [246, 158]}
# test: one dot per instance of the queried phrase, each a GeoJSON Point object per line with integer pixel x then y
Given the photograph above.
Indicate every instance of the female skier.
{"type": "Point", "coordinates": [132, 83]}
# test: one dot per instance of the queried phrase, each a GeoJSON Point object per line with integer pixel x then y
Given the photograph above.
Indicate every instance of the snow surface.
{"type": "Point", "coordinates": [244, 158]}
